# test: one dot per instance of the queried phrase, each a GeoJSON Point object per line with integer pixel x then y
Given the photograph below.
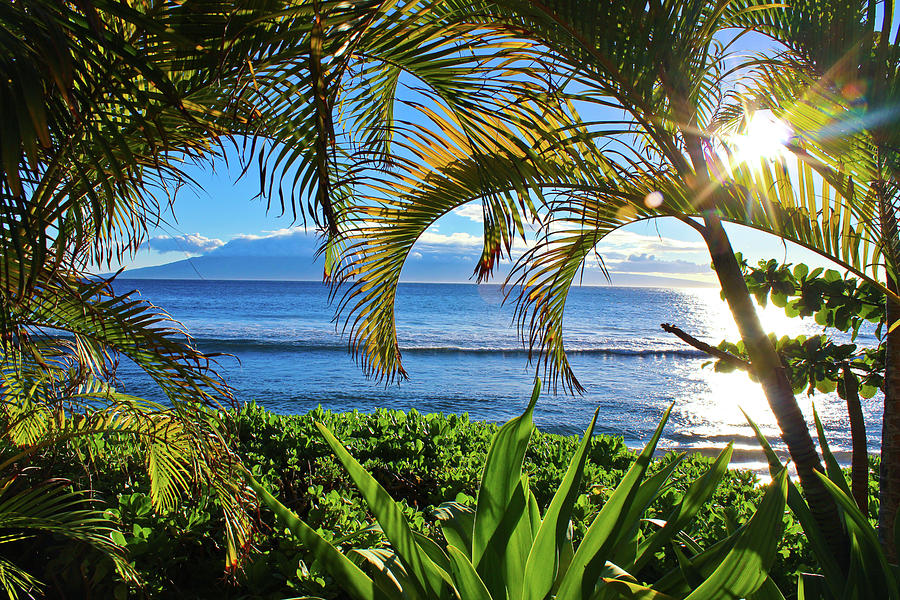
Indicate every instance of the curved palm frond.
{"type": "Point", "coordinates": [379, 232]}
{"type": "Point", "coordinates": [62, 390]}
{"type": "Point", "coordinates": [50, 508]}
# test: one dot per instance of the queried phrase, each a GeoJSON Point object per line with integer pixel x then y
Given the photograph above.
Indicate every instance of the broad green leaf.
{"type": "Point", "coordinates": [635, 591]}
{"type": "Point", "coordinates": [692, 575]}
{"type": "Point", "coordinates": [880, 574]}
{"type": "Point", "coordinates": [602, 535]}
{"type": "Point", "coordinates": [427, 575]}
{"type": "Point", "coordinates": [388, 572]}
{"type": "Point", "coordinates": [502, 566]}
{"type": "Point", "coordinates": [798, 506]}
{"type": "Point", "coordinates": [857, 584]}
{"type": "Point", "coordinates": [501, 476]}
{"type": "Point", "coordinates": [457, 524]}
{"type": "Point", "coordinates": [812, 587]}
{"type": "Point", "coordinates": [353, 580]}
{"type": "Point", "coordinates": [468, 583]}
{"type": "Point", "coordinates": [692, 571]}
{"type": "Point", "coordinates": [835, 473]}
{"type": "Point", "coordinates": [767, 591]}
{"type": "Point", "coordinates": [744, 569]}
{"type": "Point", "coordinates": [433, 550]}
{"type": "Point", "coordinates": [566, 553]}
{"type": "Point", "coordinates": [544, 558]}
{"type": "Point", "coordinates": [647, 493]}
{"type": "Point", "coordinates": [693, 500]}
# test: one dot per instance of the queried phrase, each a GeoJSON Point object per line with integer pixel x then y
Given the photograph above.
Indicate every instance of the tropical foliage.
{"type": "Point", "coordinates": [838, 94]}
{"type": "Point", "coordinates": [871, 574]}
{"type": "Point", "coordinates": [105, 104]}
{"type": "Point", "coordinates": [422, 460]}
{"type": "Point", "coordinates": [584, 171]}
{"type": "Point", "coordinates": [506, 549]}
{"type": "Point", "coordinates": [818, 362]}
{"type": "Point", "coordinates": [514, 103]}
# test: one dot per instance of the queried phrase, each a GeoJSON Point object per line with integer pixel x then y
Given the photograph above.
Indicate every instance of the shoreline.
{"type": "Point", "coordinates": [745, 458]}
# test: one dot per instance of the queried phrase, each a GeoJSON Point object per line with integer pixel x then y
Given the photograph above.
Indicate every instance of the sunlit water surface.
{"type": "Point", "coordinates": [463, 354]}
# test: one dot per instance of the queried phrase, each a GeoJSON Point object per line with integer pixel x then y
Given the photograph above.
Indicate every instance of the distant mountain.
{"type": "Point", "coordinates": [281, 268]}
{"type": "Point", "coordinates": [298, 268]}
{"type": "Point", "coordinates": [287, 268]}
{"type": "Point", "coordinates": [289, 255]}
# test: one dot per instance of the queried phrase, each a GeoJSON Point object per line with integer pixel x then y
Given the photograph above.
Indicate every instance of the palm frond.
{"type": "Point", "coordinates": [52, 509]}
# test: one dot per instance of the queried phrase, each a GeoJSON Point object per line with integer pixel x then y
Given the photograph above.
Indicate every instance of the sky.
{"type": "Point", "coordinates": [222, 219]}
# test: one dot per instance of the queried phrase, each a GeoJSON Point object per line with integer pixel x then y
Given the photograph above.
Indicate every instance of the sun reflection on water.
{"type": "Point", "coordinates": [708, 413]}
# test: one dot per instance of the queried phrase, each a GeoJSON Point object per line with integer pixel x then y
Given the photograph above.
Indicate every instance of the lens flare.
{"type": "Point", "coordinates": [653, 200]}
{"type": "Point", "coordinates": [764, 138]}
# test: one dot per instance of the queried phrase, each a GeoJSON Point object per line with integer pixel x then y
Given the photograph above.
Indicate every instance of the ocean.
{"type": "Point", "coordinates": [463, 354]}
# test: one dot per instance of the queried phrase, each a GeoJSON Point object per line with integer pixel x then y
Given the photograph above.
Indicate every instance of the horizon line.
{"type": "Point", "coordinates": [123, 276]}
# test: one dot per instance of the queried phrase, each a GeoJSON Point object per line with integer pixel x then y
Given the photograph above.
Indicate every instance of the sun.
{"type": "Point", "coordinates": [765, 138]}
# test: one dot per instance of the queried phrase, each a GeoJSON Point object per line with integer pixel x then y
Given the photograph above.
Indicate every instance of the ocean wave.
{"type": "Point", "coordinates": [261, 345]}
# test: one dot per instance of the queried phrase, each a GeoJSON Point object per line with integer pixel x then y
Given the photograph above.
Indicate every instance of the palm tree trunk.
{"type": "Point", "coordinates": [769, 371]}
{"type": "Point", "coordinates": [859, 463]}
{"type": "Point", "coordinates": [889, 476]}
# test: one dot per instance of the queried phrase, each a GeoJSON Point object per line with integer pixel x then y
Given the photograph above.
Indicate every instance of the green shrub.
{"type": "Point", "coordinates": [505, 548]}
{"type": "Point", "coordinates": [421, 459]}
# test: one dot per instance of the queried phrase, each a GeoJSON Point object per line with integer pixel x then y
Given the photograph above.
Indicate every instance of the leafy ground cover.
{"type": "Point", "coordinates": [422, 460]}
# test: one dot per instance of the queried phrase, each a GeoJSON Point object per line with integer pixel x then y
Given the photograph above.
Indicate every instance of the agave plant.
{"type": "Point", "coordinates": [505, 548]}
{"type": "Point", "coordinates": [872, 575]}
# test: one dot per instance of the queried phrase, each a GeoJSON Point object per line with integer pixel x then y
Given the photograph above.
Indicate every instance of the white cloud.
{"type": "Point", "coordinates": [192, 243]}
{"type": "Point", "coordinates": [274, 233]}
{"type": "Point", "coordinates": [648, 263]}
{"type": "Point", "coordinates": [628, 242]}
{"type": "Point", "coordinates": [470, 211]}
{"type": "Point", "coordinates": [458, 239]}
{"type": "Point", "coordinates": [291, 241]}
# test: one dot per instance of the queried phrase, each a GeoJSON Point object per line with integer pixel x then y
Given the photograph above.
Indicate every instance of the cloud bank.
{"type": "Point", "coordinates": [192, 243]}
{"type": "Point", "coordinates": [630, 258]}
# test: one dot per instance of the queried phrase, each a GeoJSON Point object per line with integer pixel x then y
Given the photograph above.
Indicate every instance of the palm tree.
{"type": "Point", "coordinates": [664, 66]}
{"type": "Point", "coordinates": [841, 64]}
{"type": "Point", "coordinates": [105, 104]}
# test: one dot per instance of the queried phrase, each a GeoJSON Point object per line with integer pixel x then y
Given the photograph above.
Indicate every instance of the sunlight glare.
{"type": "Point", "coordinates": [764, 138]}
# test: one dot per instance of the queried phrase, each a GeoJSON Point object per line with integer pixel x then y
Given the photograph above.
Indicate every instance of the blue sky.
{"type": "Point", "coordinates": [221, 218]}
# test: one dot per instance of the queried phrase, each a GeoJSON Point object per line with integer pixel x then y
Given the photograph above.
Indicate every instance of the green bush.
{"type": "Point", "coordinates": [422, 460]}
{"type": "Point", "coordinates": [506, 549]}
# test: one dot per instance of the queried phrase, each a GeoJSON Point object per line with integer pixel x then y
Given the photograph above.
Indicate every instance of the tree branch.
{"type": "Point", "coordinates": [706, 348]}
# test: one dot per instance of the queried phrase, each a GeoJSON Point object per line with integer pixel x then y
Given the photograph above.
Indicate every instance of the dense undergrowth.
{"type": "Point", "coordinates": [422, 460]}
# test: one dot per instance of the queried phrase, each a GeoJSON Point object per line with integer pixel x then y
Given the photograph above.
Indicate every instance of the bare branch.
{"type": "Point", "coordinates": [706, 348]}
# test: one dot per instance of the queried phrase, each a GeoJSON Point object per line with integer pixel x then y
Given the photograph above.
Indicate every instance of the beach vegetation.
{"type": "Point", "coordinates": [421, 460]}
{"type": "Point", "coordinates": [505, 548]}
